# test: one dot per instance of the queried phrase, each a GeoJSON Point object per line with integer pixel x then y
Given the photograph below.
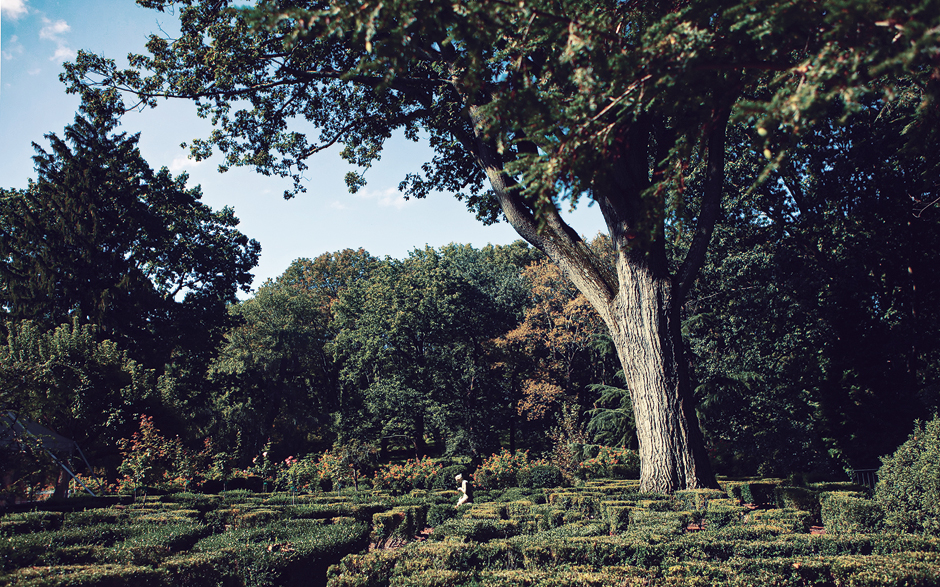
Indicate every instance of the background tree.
{"type": "Point", "coordinates": [277, 379]}
{"type": "Point", "coordinates": [414, 348]}
{"type": "Point", "coordinates": [546, 101]}
{"type": "Point", "coordinates": [79, 386]}
{"type": "Point", "coordinates": [101, 237]}
{"type": "Point", "coordinates": [556, 344]}
{"type": "Point", "coordinates": [810, 329]}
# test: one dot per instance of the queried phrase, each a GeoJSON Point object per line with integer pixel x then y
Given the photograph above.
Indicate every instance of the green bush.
{"type": "Point", "coordinates": [617, 514]}
{"type": "Point", "coordinates": [198, 569]}
{"type": "Point", "coordinates": [440, 513]}
{"type": "Point", "coordinates": [105, 575]}
{"type": "Point", "coordinates": [798, 498]}
{"type": "Point", "coordinates": [663, 524]}
{"type": "Point", "coordinates": [29, 522]}
{"type": "Point", "coordinates": [697, 499]}
{"type": "Point", "coordinates": [445, 478]}
{"type": "Point", "coordinates": [759, 493]}
{"type": "Point", "coordinates": [844, 512]}
{"type": "Point", "coordinates": [405, 477]}
{"type": "Point", "coordinates": [500, 471]}
{"type": "Point", "coordinates": [401, 522]}
{"type": "Point", "coordinates": [540, 477]}
{"type": "Point", "coordinates": [908, 488]}
{"type": "Point", "coordinates": [476, 530]}
{"type": "Point", "coordinates": [787, 519]}
{"type": "Point", "coordinates": [611, 462]}
{"type": "Point", "coordinates": [723, 512]}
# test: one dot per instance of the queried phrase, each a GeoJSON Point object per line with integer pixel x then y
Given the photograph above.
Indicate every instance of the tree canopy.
{"type": "Point", "coordinates": [101, 237]}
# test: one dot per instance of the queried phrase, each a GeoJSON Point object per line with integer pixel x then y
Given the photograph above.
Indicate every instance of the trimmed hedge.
{"type": "Point", "coordinates": [101, 575]}
{"type": "Point", "coordinates": [845, 512]}
{"type": "Point", "coordinates": [402, 522]}
{"type": "Point", "coordinates": [540, 476]}
{"type": "Point", "coordinates": [602, 533]}
{"type": "Point", "coordinates": [908, 488]}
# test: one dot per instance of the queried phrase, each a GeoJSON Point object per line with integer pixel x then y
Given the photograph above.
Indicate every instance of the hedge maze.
{"type": "Point", "coordinates": [603, 532]}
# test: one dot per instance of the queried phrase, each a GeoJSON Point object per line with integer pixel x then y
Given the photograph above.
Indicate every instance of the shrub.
{"type": "Point", "coordinates": [150, 460]}
{"type": "Point", "coordinates": [401, 522]}
{"type": "Point", "coordinates": [540, 476]}
{"type": "Point", "coordinates": [88, 575]}
{"type": "Point", "coordinates": [475, 529]}
{"type": "Point", "coordinates": [440, 513]}
{"type": "Point", "coordinates": [445, 477]}
{"type": "Point", "coordinates": [308, 473]}
{"type": "Point", "coordinates": [412, 474]}
{"type": "Point", "coordinates": [502, 471]}
{"type": "Point", "coordinates": [786, 519]}
{"type": "Point", "coordinates": [798, 498]}
{"type": "Point", "coordinates": [720, 514]}
{"type": "Point", "coordinates": [908, 488]}
{"type": "Point", "coordinates": [844, 512]}
{"type": "Point", "coordinates": [611, 463]}
{"type": "Point", "coordinates": [697, 499]}
{"type": "Point", "coordinates": [759, 493]}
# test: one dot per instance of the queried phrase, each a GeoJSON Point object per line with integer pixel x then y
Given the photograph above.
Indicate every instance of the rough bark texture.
{"type": "Point", "coordinates": [644, 326]}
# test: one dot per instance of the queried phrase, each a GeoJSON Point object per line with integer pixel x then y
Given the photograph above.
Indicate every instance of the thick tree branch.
{"type": "Point", "coordinates": [711, 206]}
{"type": "Point", "coordinates": [555, 238]}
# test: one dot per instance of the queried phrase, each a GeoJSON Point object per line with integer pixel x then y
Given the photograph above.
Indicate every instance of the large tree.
{"type": "Point", "coordinates": [530, 103]}
{"type": "Point", "coordinates": [414, 347]}
{"type": "Point", "coordinates": [814, 326]}
{"type": "Point", "coordinates": [275, 376]}
{"type": "Point", "coordinates": [101, 237]}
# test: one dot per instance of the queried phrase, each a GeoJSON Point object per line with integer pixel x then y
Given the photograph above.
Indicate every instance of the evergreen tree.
{"type": "Point", "coordinates": [102, 238]}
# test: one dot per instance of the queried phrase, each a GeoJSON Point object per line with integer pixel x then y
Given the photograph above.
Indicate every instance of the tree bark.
{"type": "Point", "coordinates": [644, 325]}
{"type": "Point", "coordinates": [61, 490]}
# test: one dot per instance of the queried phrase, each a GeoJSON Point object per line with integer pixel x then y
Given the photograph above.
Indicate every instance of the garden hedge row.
{"type": "Point", "coordinates": [603, 532]}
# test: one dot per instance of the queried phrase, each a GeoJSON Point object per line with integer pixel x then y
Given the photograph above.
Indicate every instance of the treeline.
{"type": "Point", "coordinates": [812, 334]}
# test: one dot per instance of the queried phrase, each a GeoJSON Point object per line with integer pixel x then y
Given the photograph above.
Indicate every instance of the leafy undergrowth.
{"type": "Point", "coordinates": [602, 533]}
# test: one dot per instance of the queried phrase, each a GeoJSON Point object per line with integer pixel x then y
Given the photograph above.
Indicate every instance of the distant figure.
{"type": "Point", "coordinates": [464, 486]}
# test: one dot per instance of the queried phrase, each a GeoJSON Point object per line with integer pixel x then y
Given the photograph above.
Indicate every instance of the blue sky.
{"type": "Point", "coordinates": [39, 35]}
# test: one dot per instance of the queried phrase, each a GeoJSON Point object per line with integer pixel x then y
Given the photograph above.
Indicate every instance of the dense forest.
{"type": "Point", "coordinates": [810, 335]}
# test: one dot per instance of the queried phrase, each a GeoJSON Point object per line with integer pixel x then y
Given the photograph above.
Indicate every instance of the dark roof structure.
{"type": "Point", "coordinates": [15, 429]}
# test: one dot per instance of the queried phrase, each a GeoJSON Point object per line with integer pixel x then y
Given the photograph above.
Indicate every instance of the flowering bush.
{"type": "Point", "coordinates": [265, 467]}
{"type": "Point", "coordinates": [502, 470]}
{"type": "Point", "coordinates": [314, 472]}
{"type": "Point", "coordinates": [298, 474]}
{"type": "Point", "coordinates": [149, 460]}
{"type": "Point", "coordinates": [611, 462]}
{"type": "Point", "coordinates": [97, 483]}
{"type": "Point", "coordinates": [413, 474]}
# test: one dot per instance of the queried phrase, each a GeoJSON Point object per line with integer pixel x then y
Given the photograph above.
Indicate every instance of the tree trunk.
{"type": "Point", "coordinates": [644, 325]}
{"type": "Point", "coordinates": [640, 302]}
{"type": "Point", "coordinates": [61, 490]}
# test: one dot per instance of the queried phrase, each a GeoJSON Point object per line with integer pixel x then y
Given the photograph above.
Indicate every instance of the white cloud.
{"type": "Point", "coordinates": [53, 31]}
{"type": "Point", "coordinates": [387, 198]}
{"type": "Point", "coordinates": [181, 162]}
{"type": "Point", "coordinates": [13, 8]}
{"type": "Point", "coordinates": [337, 205]}
{"type": "Point", "coordinates": [13, 48]}
{"type": "Point", "coordinates": [62, 53]}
